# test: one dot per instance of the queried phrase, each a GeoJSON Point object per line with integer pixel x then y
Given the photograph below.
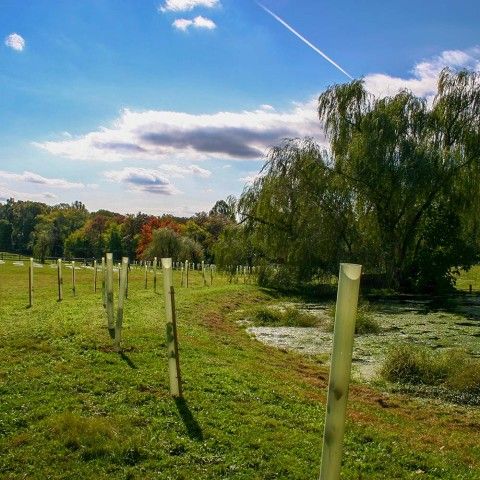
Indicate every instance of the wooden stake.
{"type": "Point", "coordinates": [186, 270]}
{"type": "Point", "coordinates": [346, 309]}
{"type": "Point", "coordinates": [59, 279]}
{"type": "Point", "coordinates": [146, 277]}
{"type": "Point", "coordinates": [172, 346]}
{"type": "Point", "coordinates": [121, 299]}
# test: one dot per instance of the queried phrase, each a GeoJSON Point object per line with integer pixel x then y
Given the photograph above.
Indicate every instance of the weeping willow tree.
{"type": "Point", "coordinates": [299, 215]}
{"type": "Point", "coordinates": [397, 190]}
{"type": "Point", "coordinates": [416, 167]}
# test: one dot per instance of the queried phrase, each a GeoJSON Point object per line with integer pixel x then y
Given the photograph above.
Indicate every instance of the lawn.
{"type": "Point", "coordinates": [72, 408]}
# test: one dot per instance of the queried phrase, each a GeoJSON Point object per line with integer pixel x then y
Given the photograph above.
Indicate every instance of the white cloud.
{"type": "Point", "coordinates": [423, 81]}
{"type": "Point", "coordinates": [178, 137]}
{"type": "Point", "coordinates": [142, 180]}
{"type": "Point", "coordinates": [6, 193]}
{"type": "Point", "coordinates": [250, 178]}
{"type": "Point", "coordinates": [30, 177]}
{"type": "Point", "coordinates": [187, 5]}
{"type": "Point", "coordinates": [15, 42]}
{"type": "Point", "coordinates": [182, 24]}
{"type": "Point", "coordinates": [199, 22]}
{"type": "Point", "coordinates": [50, 195]}
{"type": "Point", "coordinates": [179, 171]}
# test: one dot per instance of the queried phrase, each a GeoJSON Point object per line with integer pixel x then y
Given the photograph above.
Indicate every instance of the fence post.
{"type": "Point", "coordinates": [172, 340]}
{"type": "Point", "coordinates": [186, 270]}
{"type": "Point", "coordinates": [30, 283]}
{"type": "Point", "coordinates": [121, 299]}
{"type": "Point", "coordinates": [59, 279]}
{"type": "Point", "coordinates": [146, 278]}
{"type": "Point", "coordinates": [339, 379]}
{"type": "Point", "coordinates": [109, 289]}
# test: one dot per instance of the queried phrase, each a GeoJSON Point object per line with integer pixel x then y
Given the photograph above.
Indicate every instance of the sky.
{"type": "Point", "coordinates": [167, 106]}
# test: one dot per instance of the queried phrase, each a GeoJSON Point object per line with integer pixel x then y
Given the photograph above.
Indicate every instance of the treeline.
{"type": "Point", "coordinates": [70, 230]}
{"type": "Point", "coordinates": [398, 191]}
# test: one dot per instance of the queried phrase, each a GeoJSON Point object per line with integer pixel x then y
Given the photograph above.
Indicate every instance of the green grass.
{"type": "Point", "coordinates": [72, 408]}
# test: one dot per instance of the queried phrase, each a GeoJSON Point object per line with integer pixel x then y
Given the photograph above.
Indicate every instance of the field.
{"type": "Point", "coordinates": [73, 408]}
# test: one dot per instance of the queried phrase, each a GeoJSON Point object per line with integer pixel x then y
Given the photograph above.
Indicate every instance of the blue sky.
{"type": "Point", "coordinates": [168, 106]}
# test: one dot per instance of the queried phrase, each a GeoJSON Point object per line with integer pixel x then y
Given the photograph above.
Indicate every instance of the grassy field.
{"type": "Point", "coordinates": [472, 277]}
{"type": "Point", "coordinates": [72, 408]}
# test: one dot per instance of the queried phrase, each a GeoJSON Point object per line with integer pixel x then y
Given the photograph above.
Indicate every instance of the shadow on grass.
{"type": "Point", "coordinates": [193, 428]}
{"type": "Point", "coordinates": [127, 360]}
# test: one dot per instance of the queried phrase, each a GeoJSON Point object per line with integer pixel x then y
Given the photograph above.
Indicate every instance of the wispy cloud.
{"type": "Point", "coordinates": [142, 180]}
{"type": "Point", "coordinates": [304, 40]}
{"type": "Point", "coordinates": [250, 178]}
{"type": "Point", "coordinates": [15, 42]}
{"type": "Point", "coordinates": [187, 5]}
{"type": "Point", "coordinates": [199, 22]}
{"type": "Point", "coordinates": [30, 177]}
{"type": "Point", "coordinates": [178, 171]}
{"type": "Point", "coordinates": [6, 193]}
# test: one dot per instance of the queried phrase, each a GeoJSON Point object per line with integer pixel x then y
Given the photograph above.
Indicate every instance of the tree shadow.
{"type": "Point", "coordinates": [463, 305]}
{"type": "Point", "coordinates": [193, 428]}
{"type": "Point", "coordinates": [127, 360]}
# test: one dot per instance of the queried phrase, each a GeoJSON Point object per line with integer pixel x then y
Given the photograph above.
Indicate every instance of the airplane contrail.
{"type": "Point", "coordinates": [303, 39]}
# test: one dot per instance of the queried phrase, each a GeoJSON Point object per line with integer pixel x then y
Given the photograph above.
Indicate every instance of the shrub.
{"type": "Point", "coordinates": [413, 364]}
{"type": "Point", "coordinates": [284, 317]}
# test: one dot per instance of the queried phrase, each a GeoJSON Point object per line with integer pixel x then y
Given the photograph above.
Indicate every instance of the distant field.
{"type": "Point", "coordinates": [71, 408]}
{"type": "Point", "coordinates": [472, 277]}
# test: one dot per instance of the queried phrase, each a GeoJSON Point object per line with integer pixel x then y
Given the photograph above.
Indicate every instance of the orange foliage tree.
{"type": "Point", "coordinates": [154, 223]}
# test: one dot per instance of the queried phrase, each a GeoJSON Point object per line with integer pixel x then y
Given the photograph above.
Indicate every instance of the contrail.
{"type": "Point", "coordinates": [303, 39]}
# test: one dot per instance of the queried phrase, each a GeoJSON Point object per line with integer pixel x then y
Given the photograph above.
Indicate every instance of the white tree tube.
{"type": "Point", "coordinates": [172, 348]}
{"type": "Point", "coordinates": [109, 289]}
{"type": "Point", "coordinates": [59, 279]}
{"type": "Point", "coordinates": [121, 300]}
{"type": "Point", "coordinates": [346, 310]}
